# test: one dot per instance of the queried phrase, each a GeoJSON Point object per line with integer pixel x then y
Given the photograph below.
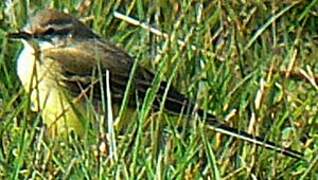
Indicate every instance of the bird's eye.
{"type": "Point", "coordinates": [49, 31]}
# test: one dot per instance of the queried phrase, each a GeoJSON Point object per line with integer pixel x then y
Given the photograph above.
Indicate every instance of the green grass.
{"type": "Point", "coordinates": [253, 66]}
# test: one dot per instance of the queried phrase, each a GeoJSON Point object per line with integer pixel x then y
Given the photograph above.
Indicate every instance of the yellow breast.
{"type": "Point", "coordinates": [38, 77]}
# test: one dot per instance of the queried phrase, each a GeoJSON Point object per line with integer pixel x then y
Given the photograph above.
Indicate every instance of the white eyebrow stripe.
{"type": "Point", "coordinates": [60, 26]}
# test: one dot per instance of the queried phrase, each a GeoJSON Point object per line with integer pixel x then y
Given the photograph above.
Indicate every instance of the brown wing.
{"type": "Point", "coordinates": [80, 72]}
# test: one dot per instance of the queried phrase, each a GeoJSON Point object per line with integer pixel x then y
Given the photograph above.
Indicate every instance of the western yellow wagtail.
{"type": "Point", "coordinates": [59, 63]}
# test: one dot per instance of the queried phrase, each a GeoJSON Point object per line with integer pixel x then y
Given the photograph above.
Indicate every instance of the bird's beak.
{"type": "Point", "coordinates": [20, 35]}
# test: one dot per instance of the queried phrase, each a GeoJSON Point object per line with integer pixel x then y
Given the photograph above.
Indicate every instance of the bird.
{"type": "Point", "coordinates": [59, 64]}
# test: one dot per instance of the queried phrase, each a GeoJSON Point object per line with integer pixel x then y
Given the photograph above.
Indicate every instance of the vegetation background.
{"type": "Point", "coordinates": [253, 64]}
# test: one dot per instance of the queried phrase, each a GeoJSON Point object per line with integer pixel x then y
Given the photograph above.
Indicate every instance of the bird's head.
{"type": "Point", "coordinates": [52, 28]}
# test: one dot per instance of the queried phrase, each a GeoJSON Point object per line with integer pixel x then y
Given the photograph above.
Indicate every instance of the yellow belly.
{"type": "Point", "coordinates": [59, 111]}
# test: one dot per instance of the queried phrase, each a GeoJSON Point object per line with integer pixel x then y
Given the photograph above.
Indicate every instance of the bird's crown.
{"type": "Point", "coordinates": [48, 24]}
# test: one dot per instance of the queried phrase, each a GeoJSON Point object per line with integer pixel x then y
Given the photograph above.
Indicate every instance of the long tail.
{"type": "Point", "coordinates": [215, 125]}
{"type": "Point", "coordinates": [176, 103]}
